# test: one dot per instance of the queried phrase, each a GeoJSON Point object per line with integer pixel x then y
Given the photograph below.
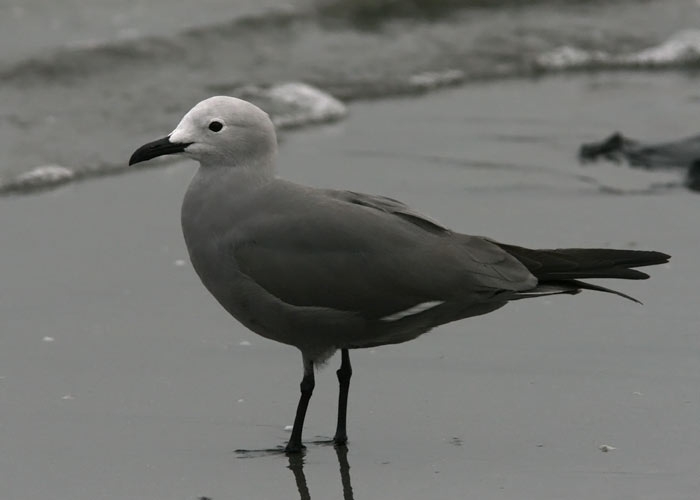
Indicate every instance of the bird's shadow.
{"type": "Point", "coordinates": [296, 462]}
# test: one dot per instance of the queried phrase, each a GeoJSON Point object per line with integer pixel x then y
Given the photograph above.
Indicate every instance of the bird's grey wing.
{"type": "Point", "coordinates": [328, 252]}
{"type": "Point", "coordinates": [391, 206]}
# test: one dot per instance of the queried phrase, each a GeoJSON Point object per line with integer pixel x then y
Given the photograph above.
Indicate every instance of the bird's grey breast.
{"type": "Point", "coordinates": [215, 226]}
{"type": "Point", "coordinates": [213, 215]}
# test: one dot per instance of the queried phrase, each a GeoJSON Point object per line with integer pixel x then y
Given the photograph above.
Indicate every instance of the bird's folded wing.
{"type": "Point", "coordinates": [376, 257]}
{"type": "Point", "coordinates": [391, 206]}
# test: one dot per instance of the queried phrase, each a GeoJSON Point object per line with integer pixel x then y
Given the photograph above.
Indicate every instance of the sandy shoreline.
{"type": "Point", "coordinates": [122, 379]}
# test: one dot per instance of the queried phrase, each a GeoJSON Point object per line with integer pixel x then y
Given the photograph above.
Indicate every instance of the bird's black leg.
{"type": "Point", "coordinates": [307, 388]}
{"type": "Point", "coordinates": [344, 373]}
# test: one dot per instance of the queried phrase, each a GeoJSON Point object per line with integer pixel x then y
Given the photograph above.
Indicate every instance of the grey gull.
{"type": "Point", "coordinates": [326, 270]}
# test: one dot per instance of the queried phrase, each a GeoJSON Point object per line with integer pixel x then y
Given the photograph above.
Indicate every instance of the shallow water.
{"type": "Point", "coordinates": [122, 378]}
{"type": "Point", "coordinates": [81, 85]}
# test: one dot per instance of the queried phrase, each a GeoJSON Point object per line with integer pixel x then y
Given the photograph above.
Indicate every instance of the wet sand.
{"type": "Point", "coordinates": [122, 379]}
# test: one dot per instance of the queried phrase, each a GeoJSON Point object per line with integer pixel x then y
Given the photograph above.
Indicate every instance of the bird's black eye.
{"type": "Point", "coordinates": [215, 126]}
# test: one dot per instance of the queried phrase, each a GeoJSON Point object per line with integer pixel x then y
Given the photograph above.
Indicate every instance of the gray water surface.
{"type": "Point", "coordinates": [80, 83]}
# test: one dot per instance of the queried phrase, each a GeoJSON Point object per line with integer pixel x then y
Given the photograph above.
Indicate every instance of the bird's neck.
{"type": "Point", "coordinates": [217, 188]}
{"type": "Point", "coordinates": [213, 200]}
{"type": "Point", "coordinates": [239, 177]}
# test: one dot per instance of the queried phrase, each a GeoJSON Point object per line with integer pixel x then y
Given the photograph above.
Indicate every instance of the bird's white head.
{"type": "Point", "coordinates": [222, 132]}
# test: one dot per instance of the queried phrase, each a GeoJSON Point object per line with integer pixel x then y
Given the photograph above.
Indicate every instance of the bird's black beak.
{"type": "Point", "coordinates": [157, 148]}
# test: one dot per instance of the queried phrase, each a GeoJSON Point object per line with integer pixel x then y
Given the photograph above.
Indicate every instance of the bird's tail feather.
{"type": "Point", "coordinates": [581, 263]}
{"type": "Point", "coordinates": [559, 271]}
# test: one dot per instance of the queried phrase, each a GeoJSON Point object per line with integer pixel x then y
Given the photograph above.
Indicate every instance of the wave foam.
{"type": "Point", "coordinates": [295, 104]}
{"type": "Point", "coordinates": [39, 177]}
{"type": "Point", "coordinates": [681, 49]}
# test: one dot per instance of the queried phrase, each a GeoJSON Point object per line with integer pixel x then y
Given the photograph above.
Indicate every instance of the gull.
{"type": "Point", "coordinates": [326, 270]}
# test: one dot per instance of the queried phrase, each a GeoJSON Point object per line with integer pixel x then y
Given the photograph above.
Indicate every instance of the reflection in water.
{"type": "Point", "coordinates": [342, 453]}
{"type": "Point", "coordinates": [296, 465]}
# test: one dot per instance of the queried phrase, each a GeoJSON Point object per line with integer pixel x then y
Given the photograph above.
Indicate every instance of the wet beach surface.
{"type": "Point", "coordinates": [121, 378]}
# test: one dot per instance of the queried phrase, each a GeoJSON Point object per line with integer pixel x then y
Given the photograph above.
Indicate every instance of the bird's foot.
{"type": "Point", "coordinates": [340, 440]}
{"type": "Point", "coordinates": [327, 441]}
{"type": "Point", "coordinates": [294, 448]}
{"type": "Point", "coordinates": [291, 448]}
